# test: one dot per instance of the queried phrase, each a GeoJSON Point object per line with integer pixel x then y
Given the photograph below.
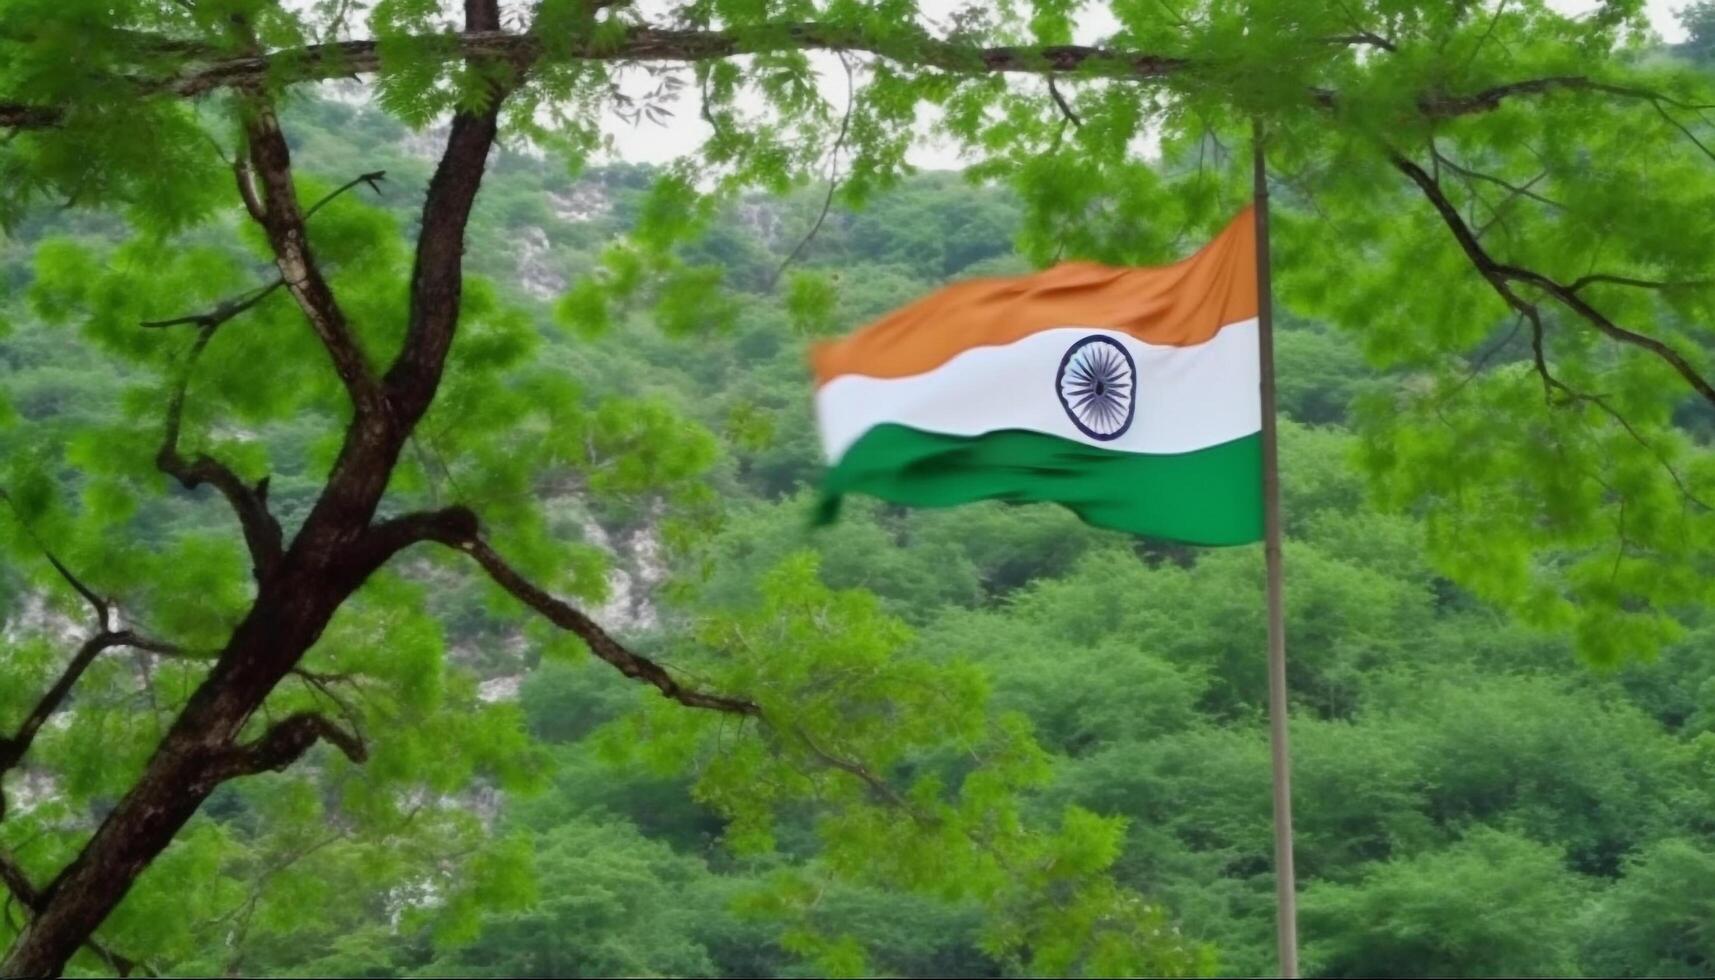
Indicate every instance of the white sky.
{"type": "Point", "coordinates": [646, 143]}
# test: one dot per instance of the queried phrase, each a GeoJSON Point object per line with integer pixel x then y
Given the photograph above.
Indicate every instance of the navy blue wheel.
{"type": "Point", "coordinates": [1097, 385]}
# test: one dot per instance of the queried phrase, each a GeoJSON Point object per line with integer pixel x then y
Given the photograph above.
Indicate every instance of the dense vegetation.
{"type": "Point", "coordinates": [396, 587]}
{"type": "Point", "coordinates": [1471, 801]}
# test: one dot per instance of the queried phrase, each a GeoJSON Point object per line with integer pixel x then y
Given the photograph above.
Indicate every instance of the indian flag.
{"type": "Point", "coordinates": [1129, 395]}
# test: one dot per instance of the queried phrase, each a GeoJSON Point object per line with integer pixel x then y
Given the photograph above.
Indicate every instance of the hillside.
{"type": "Point", "coordinates": [1472, 798]}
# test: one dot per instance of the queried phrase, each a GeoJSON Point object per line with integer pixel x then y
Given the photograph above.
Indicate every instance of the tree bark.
{"type": "Point", "coordinates": [184, 770]}
{"type": "Point", "coordinates": [329, 559]}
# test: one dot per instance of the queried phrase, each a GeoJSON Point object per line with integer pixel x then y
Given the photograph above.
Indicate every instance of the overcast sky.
{"type": "Point", "coordinates": [646, 143]}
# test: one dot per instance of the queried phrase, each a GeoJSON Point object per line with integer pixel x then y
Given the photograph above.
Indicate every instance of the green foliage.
{"type": "Point", "coordinates": [992, 741]}
{"type": "Point", "coordinates": [841, 703]}
{"type": "Point", "coordinates": [1493, 902]}
{"type": "Point", "coordinates": [1655, 920]}
{"type": "Point", "coordinates": [810, 300]}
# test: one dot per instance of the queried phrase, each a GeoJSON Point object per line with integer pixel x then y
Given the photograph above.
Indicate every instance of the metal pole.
{"type": "Point", "coordinates": [1285, 884]}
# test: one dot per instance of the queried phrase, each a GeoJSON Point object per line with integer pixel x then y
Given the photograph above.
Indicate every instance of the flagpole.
{"type": "Point", "coordinates": [1285, 884]}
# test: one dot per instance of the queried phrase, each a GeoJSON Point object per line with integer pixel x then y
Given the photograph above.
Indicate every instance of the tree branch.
{"type": "Point", "coordinates": [1501, 275]}
{"type": "Point", "coordinates": [1569, 395]}
{"type": "Point", "coordinates": [283, 222]}
{"type": "Point", "coordinates": [247, 188]}
{"type": "Point", "coordinates": [342, 59]}
{"type": "Point", "coordinates": [1447, 106]}
{"type": "Point", "coordinates": [1582, 281]}
{"type": "Point", "coordinates": [1686, 130]}
{"type": "Point", "coordinates": [833, 179]}
{"type": "Point", "coordinates": [601, 644]}
{"type": "Point", "coordinates": [1064, 107]}
{"type": "Point", "coordinates": [17, 881]}
{"type": "Point", "coordinates": [227, 309]}
{"type": "Point", "coordinates": [877, 785]}
{"type": "Point", "coordinates": [456, 527]}
{"type": "Point", "coordinates": [1515, 189]}
{"type": "Point", "coordinates": [915, 48]}
{"type": "Point", "coordinates": [451, 526]}
{"type": "Point", "coordinates": [262, 533]}
{"type": "Point", "coordinates": [222, 312]}
{"type": "Point", "coordinates": [372, 179]}
{"type": "Point", "coordinates": [17, 115]}
{"type": "Point", "coordinates": [1356, 38]}
{"type": "Point", "coordinates": [13, 749]}
{"type": "Point", "coordinates": [437, 276]}
{"type": "Point", "coordinates": [323, 684]}
{"type": "Point", "coordinates": [284, 743]}
{"type": "Point", "coordinates": [101, 607]}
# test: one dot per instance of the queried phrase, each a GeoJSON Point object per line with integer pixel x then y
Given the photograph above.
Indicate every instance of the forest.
{"type": "Point", "coordinates": [991, 740]}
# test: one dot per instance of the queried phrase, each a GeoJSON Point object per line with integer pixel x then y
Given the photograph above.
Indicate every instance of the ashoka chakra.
{"type": "Point", "coordinates": [1097, 385]}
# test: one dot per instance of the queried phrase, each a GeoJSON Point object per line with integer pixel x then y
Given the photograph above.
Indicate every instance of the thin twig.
{"type": "Point", "coordinates": [373, 179]}
{"type": "Point", "coordinates": [103, 610]}
{"type": "Point", "coordinates": [1060, 100]}
{"type": "Point", "coordinates": [224, 311]}
{"type": "Point", "coordinates": [833, 179]}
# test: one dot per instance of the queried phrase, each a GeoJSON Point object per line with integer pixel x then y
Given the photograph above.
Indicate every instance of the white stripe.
{"type": "Point", "coordinates": [1188, 398]}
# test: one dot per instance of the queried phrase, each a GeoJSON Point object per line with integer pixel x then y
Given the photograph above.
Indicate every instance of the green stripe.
{"type": "Point", "coordinates": [1212, 496]}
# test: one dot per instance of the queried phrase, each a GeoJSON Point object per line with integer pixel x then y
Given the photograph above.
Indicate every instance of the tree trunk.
{"type": "Point", "coordinates": [333, 553]}
{"type": "Point", "coordinates": [282, 624]}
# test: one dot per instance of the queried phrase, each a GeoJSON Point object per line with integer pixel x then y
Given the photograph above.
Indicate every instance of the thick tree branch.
{"type": "Point", "coordinates": [343, 59]}
{"type": "Point", "coordinates": [451, 526]}
{"type": "Point", "coordinates": [284, 743]}
{"type": "Point", "coordinates": [17, 881]}
{"type": "Point", "coordinates": [437, 276]}
{"type": "Point", "coordinates": [343, 513]}
{"type": "Point", "coordinates": [283, 221]}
